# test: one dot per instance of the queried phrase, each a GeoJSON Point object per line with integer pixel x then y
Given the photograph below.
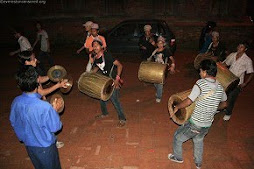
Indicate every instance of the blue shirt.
{"type": "Point", "coordinates": [34, 121]}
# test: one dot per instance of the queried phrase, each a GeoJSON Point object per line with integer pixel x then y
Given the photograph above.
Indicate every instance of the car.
{"type": "Point", "coordinates": [124, 37]}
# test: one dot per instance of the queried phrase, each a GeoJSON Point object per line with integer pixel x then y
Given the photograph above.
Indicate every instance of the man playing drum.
{"type": "Point", "coordinates": [239, 63]}
{"type": "Point", "coordinates": [161, 55]}
{"type": "Point", "coordinates": [113, 69]}
{"type": "Point", "coordinates": [209, 96]}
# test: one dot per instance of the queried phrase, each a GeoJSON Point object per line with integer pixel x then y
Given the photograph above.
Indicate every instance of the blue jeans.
{"type": "Point", "coordinates": [44, 157]}
{"type": "Point", "coordinates": [115, 100]}
{"type": "Point", "coordinates": [189, 131]}
{"type": "Point", "coordinates": [232, 96]}
{"type": "Point", "coordinates": [159, 90]}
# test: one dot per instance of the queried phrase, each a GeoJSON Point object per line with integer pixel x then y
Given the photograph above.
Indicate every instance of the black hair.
{"type": "Point", "coordinates": [98, 41]}
{"type": "Point", "coordinates": [245, 43]}
{"type": "Point", "coordinates": [27, 78]}
{"type": "Point", "coordinates": [25, 56]}
{"type": "Point", "coordinates": [209, 66]}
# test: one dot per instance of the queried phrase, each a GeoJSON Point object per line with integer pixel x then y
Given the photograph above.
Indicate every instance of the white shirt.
{"type": "Point", "coordinates": [24, 44]}
{"type": "Point", "coordinates": [43, 36]}
{"type": "Point", "coordinates": [240, 66]}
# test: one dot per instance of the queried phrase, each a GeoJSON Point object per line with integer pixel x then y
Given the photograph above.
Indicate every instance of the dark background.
{"type": "Point", "coordinates": [63, 18]}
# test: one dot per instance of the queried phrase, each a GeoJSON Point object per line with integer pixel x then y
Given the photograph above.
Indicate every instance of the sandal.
{"type": "Point", "coordinates": [121, 123]}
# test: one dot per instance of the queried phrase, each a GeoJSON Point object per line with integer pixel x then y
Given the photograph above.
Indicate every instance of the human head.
{"type": "Point", "coordinates": [27, 58]}
{"type": "Point", "coordinates": [88, 25]}
{"type": "Point", "coordinates": [97, 45]}
{"type": "Point", "coordinates": [242, 47]}
{"type": "Point", "coordinates": [27, 79]}
{"type": "Point", "coordinates": [94, 29]}
{"type": "Point", "coordinates": [215, 36]}
{"type": "Point", "coordinates": [38, 25]}
{"type": "Point", "coordinates": [208, 67]}
{"type": "Point", "coordinates": [147, 29]}
{"type": "Point", "coordinates": [161, 42]}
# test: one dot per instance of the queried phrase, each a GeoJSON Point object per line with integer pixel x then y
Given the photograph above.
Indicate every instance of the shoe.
{"type": "Point", "coordinates": [121, 123]}
{"type": "Point", "coordinates": [100, 116]}
{"type": "Point", "coordinates": [59, 144]}
{"type": "Point", "coordinates": [226, 117]}
{"type": "Point", "coordinates": [198, 166]}
{"type": "Point", "coordinates": [158, 100]}
{"type": "Point", "coordinates": [173, 158]}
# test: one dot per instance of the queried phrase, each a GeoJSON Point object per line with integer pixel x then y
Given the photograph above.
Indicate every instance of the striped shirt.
{"type": "Point", "coordinates": [206, 104]}
{"type": "Point", "coordinates": [240, 66]}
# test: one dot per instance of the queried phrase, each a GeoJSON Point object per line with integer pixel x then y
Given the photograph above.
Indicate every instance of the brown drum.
{"type": "Point", "coordinates": [152, 72]}
{"type": "Point", "coordinates": [96, 85]}
{"type": "Point", "coordinates": [227, 79]}
{"type": "Point", "coordinates": [181, 115]}
{"type": "Point", "coordinates": [59, 101]}
{"type": "Point", "coordinates": [200, 57]}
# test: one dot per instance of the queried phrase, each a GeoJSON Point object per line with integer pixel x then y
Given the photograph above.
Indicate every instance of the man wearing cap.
{"type": "Point", "coordinates": [23, 43]}
{"type": "Point", "coordinates": [112, 68]}
{"type": "Point", "coordinates": [217, 48]}
{"type": "Point", "coordinates": [240, 64]}
{"type": "Point", "coordinates": [88, 43]}
{"type": "Point", "coordinates": [147, 42]}
{"type": "Point", "coordinates": [87, 27]}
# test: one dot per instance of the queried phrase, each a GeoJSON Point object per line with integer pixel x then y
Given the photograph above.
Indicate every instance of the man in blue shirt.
{"type": "Point", "coordinates": [35, 121]}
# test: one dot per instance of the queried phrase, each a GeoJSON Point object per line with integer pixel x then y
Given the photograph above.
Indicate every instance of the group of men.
{"type": "Point", "coordinates": [35, 121]}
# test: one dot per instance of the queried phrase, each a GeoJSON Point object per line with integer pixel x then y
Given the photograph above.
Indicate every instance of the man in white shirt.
{"type": "Point", "coordinates": [44, 55]}
{"type": "Point", "coordinates": [240, 64]}
{"type": "Point", "coordinates": [23, 43]}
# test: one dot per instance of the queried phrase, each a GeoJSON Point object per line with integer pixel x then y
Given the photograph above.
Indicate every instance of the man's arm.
{"type": "Point", "coordinates": [46, 91]}
{"type": "Point", "coordinates": [243, 85]}
{"type": "Point", "coordinates": [185, 103]}
{"type": "Point", "coordinates": [119, 72]}
{"type": "Point", "coordinates": [222, 105]}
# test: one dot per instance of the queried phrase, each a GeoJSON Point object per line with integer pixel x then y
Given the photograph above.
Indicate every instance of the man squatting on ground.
{"type": "Point", "coordinates": [239, 64]}
{"type": "Point", "coordinates": [113, 69]}
{"type": "Point", "coordinates": [209, 96]}
{"type": "Point", "coordinates": [35, 121]}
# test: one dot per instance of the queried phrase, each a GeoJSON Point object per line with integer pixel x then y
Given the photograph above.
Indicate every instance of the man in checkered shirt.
{"type": "Point", "coordinates": [240, 64]}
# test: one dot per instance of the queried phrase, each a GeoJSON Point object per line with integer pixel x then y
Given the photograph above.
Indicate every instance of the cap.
{"type": "Point", "coordinates": [147, 27]}
{"type": "Point", "coordinates": [88, 24]}
{"type": "Point", "coordinates": [95, 26]}
{"type": "Point", "coordinates": [160, 38]}
{"type": "Point", "coordinates": [216, 34]}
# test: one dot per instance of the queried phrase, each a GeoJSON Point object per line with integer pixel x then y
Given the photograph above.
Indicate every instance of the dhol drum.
{"type": "Point", "coordinates": [227, 79]}
{"type": "Point", "coordinates": [152, 72]}
{"type": "Point", "coordinates": [182, 115]}
{"type": "Point", "coordinates": [200, 57]}
{"type": "Point", "coordinates": [59, 101]}
{"type": "Point", "coordinates": [96, 85]}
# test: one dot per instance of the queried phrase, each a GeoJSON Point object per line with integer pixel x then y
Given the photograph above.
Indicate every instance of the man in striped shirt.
{"type": "Point", "coordinates": [209, 96]}
{"type": "Point", "coordinates": [239, 64]}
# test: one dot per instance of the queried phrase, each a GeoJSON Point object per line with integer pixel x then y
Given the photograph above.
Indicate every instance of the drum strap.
{"type": "Point", "coordinates": [210, 93]}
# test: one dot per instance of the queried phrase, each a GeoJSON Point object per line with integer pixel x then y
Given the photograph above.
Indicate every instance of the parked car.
{"type": "Point", "coordinates": [124, 37]}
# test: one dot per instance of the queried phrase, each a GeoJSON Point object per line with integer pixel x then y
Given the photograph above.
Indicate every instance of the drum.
{"type": "Point", "coordinates": [227, 79]}
{"type": "Point", "coordinates": [59, 101]}
{"type": "Point", "coordinates": [200, 57]}
{"type": "Point", "coordinates": [152, 72]}
{"type": "Point", "coordinates": [182, 115]}
{"type": "Point", "coordinates": [96, 85]}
